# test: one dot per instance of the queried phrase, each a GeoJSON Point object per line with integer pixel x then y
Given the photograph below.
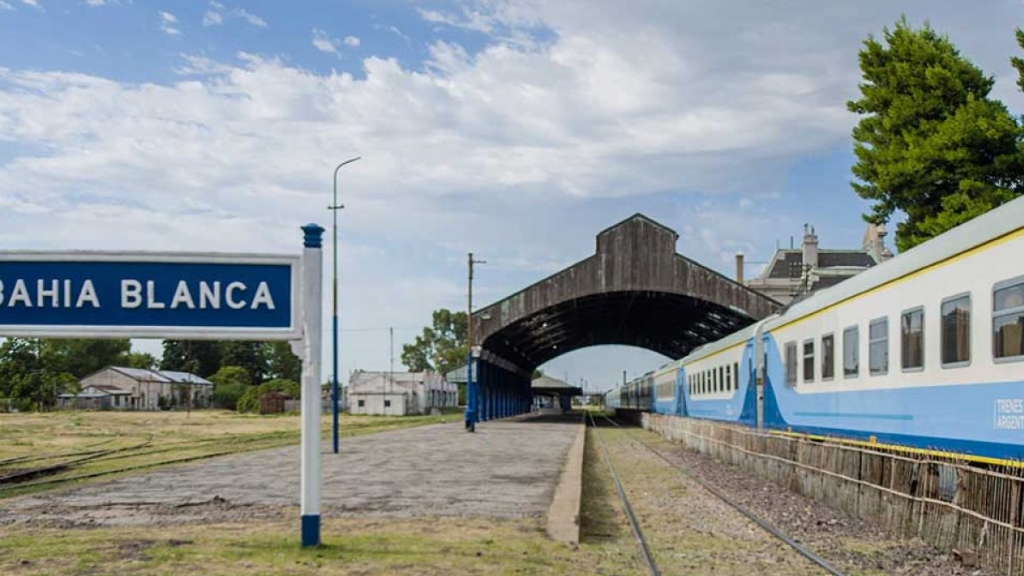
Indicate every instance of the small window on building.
{"type": "Point", "coordinates": [912, 339]}
{"type": "Point", "coordinates": [851, 352]}
{"type": "Point", "coordinates": [361, 404]}
{"type": "Point", "coordinates": [878, 346]}
{"type": "Point", "coordinates": [1008, 320]}
{"type": "Point", "coordinates": [387, 403]}
{"type": "Point", "coordinates": [828, 357]}
{"type": "Point", "coordinates": [721, 379]}
{"type": "Point", "coordinates": [791, 364]}
{"type": "Point", "coordinates": [808, 360]}
{"type": "Point", "coordinates": [736, 376]}
{"type": "Point", "coordinates": [728, 378]}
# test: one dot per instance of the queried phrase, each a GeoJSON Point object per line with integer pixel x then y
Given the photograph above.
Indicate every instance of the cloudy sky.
{"type": "Point", "coordinates": [516, 129]}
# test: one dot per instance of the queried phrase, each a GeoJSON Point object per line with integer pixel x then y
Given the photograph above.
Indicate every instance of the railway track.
{"type": "Point", "coordinates": [774, 531]}
{"type": "Point", "coordinates": [645, 549]}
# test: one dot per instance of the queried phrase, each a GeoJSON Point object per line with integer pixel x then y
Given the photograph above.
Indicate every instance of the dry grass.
{"type": "Point", "coordinates": [425, 546]}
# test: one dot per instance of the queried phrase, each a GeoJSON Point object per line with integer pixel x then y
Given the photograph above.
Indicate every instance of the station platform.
{"type": "Point", "coordinates": [507, 469]}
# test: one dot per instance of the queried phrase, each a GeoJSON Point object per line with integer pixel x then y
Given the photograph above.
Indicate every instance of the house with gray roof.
{"type": "Point", "coordinates": [123, 388]}
{"type": "Point", "coordinates": [796, 272]}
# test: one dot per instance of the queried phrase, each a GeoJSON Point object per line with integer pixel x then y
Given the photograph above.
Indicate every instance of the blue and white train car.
{"type": "Point", "coordinates": [925, 350]}
{"type": "Point", "coordinates": [666, 382]}
{"type": "Point", "coordinates": [717, 381]}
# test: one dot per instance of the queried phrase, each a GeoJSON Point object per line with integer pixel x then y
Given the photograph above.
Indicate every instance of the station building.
{"type": "Point", "coordinates": [795, 272]}
{"type": "Point", "coordinates": [399, 393]}
{"type": "Point", "coordinates": [122, 388]}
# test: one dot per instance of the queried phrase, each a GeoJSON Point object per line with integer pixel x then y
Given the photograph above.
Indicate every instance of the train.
{"type": "Point", "coordinates": [922, 352]}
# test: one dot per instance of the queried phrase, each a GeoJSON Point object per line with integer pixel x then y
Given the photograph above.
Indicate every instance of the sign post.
{"type": "Point", "coordinates": [309, 351]}
{"type": "Point", "coordinates": [189, 296]}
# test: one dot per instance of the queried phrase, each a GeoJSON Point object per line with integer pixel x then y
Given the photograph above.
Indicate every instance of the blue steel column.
{"type": "Point", "coordinates": [485, 401]}
{"type": "Point", "coordinates": [471, 396]}
{"type": "Point", "coordinates": [482, 397]}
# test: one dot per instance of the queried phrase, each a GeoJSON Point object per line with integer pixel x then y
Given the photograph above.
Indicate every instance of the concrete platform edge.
{"type": "Point", "coordinates": [564, 512]}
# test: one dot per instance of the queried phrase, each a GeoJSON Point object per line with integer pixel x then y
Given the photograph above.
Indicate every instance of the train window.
{"type": "Point", "coordinates": [721, 380]}
{"type": "Point", "coordinates": [851, 352]}
{"type": "Point", "coordinates": [1008, 320]}
{"type": "Point", "coordinates": [808, 360]}
{"type": "Point", "coordinates": [956, 331]}
{"type": "Point", "coordinates": [791, 364]}
{"type": "Point", "coordinates": [828, 360]}
{"type": "Point", "coordinates": [878, 346]}
{"type": "Point", "coordinates": [736, 376]}
{"type": "Point", "coordinates": [912, 339]}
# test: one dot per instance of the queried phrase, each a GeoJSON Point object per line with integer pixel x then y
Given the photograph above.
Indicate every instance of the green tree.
{"type": "Point", "coordinates": [230, 383]}
{"type": "Point", "coordinates": [930, 144]}
{"type": "Point", "coordinates": [180, 355]}
{"type": "Point", "coordinates": [142, 360]}
{"type": "Point", "coordinates": [282, 362]}
{"type": "Point", "coordinates": [33, 373]}
{"type": "Point", "coordinates": [249, 355]}
{"type": "Point", "coordinates": [82, 357]}
{"type": "Point", "coordinates": [442, 347]}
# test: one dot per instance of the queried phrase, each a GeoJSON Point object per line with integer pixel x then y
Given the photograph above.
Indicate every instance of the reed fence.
{"type": "Point", "coordinates": [946, 502]}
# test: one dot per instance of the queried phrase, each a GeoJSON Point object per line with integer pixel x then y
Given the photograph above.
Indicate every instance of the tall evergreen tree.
{"type": "Point", "coordinates": [931, 144]}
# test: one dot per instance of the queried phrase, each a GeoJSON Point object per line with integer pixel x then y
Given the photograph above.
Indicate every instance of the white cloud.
{"type": "Point", "coordinates": [167, 24]}
{"type": "Point", "coordinates": [212, 18]}
{"type": "Point", "coordinates": [352, 41]}
{"type": "Point", "coordinates": [323, 42]}
{"type": "Point", "coordinates": [95, 3]}
{"type": "Point", "coordinates": [32, 3]}
{"type": "Point", "coordinates": [250, 18]}
{"type": "Point", "coordinates": [5, 6]}
{"type": "Point", "coordinates": [513, 152]}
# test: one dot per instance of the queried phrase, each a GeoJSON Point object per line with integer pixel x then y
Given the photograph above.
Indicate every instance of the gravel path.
{"type": "Point", "coordinates": [847, 542]}
{"type": "Point", "coordinates": [507, 469]}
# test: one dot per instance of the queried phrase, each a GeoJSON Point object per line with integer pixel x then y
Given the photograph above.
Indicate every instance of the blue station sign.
{"type": "Point", "coordinates": [195, 296]}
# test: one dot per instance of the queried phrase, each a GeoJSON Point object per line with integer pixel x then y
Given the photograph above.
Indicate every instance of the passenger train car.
{"type": "Point", "coordinates": [925, 350]}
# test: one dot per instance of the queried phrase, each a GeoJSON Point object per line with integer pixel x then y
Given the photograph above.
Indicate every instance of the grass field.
{"type": "Point", "coordinates": [94, 444]}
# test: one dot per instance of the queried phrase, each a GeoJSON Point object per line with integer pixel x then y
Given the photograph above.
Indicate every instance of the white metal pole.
{"type": "Point", "coordinates": [312, 305]}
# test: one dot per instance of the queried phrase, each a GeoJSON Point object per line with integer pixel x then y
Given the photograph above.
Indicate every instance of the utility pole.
{"type": "Point", "coordinates": [391, 370]}
{"type": "Point", "coordinates": [471, 387]}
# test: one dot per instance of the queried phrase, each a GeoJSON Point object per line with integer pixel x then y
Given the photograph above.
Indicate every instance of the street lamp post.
{"type": "Point", "coordinates": [471, 386]}
{"type": "Point", "coordinates": [334, 207]}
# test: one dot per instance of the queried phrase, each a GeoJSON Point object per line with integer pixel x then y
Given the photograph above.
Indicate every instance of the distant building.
{"type": "Point", "coordinates": [794, 272]}
{"type": "Point", "coordinates": [399, 393]}
{"type": "Point", "coordinates": [121, 388]}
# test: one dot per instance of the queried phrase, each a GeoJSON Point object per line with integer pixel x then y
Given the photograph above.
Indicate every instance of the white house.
{"type": "Point", "coordinates": [399, 393]}
{"type": "Point", "coordinates": [140, 389]}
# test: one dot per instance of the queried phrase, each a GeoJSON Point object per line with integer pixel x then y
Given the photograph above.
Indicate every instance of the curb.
{"type": "Point", "coordinates": [564, 512]}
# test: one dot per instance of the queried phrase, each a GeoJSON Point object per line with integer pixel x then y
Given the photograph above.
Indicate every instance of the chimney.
{"type": "Point", "coordinates": [810, 247]}
{"type": "Point", "coordinates": [739, 267]}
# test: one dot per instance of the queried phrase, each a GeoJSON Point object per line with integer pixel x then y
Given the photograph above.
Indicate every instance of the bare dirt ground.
{"type": "Point", "coordinates": [847, 542]}
{"type": "Point", "coordinates": [505, 470]}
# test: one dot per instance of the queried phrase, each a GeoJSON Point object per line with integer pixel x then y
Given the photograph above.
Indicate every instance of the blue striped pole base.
{"type": "Point", "coordinates": [310, 530]}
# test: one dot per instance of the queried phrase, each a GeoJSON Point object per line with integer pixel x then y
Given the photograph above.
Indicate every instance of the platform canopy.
{"type": "Point", "coordinates": [635, 290]}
